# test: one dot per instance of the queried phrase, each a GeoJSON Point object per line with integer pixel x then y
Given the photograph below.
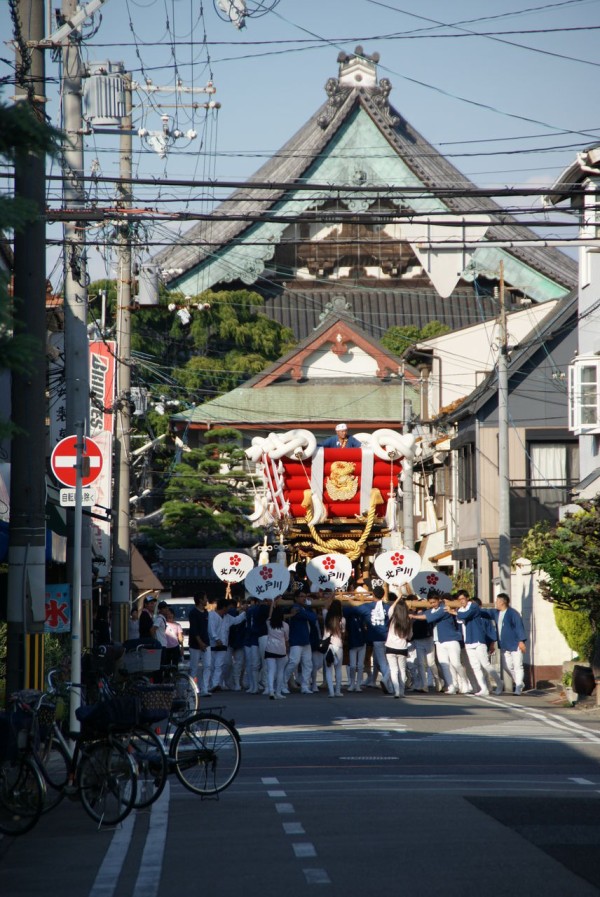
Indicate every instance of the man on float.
{"type": "Point", "coordinates": [341, 439]}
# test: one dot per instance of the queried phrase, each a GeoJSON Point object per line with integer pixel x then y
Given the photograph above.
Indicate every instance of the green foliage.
{"type": "Point", "coordinates": [57, 649]}
{"type": "Point", "coordinates": [568, 555]}
{"type": "Point", "coordinates": [464, 579]}
{"type": "Point", "coordinates": [399, 339]}
{"type": "Point", "coordinates": [577, 631]}
{"type": "Point", "coordinates": [207, 496]}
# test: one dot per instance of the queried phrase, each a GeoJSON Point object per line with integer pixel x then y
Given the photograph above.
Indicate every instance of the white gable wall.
{"type": "Point", "coordinates": [325, 363]}
{"type": "Point", "coordinates": [464, 357]}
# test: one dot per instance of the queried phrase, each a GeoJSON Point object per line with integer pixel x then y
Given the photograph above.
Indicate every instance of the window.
{"type": "Point", "coordinates": [584, 395]}
{"type": "Point", "coordinates": [553, 469]}
{"type": "Point", "coordinates": [467, 479]}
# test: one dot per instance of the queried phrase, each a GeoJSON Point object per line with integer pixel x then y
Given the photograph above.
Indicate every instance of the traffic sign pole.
{"type": "Point", "coordinates": [75, 697]}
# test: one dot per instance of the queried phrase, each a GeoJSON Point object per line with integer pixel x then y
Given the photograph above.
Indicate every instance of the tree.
{"type": "Point", "coordinates": [568, 557]}
{"type": "Point", "coordinates": [399, 339]}
{"type": "Point", "coordinates": [207, 496]}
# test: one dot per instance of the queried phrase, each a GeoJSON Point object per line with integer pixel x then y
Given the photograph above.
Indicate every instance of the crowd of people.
{"type": "Point", "coordinates": [395, 642]}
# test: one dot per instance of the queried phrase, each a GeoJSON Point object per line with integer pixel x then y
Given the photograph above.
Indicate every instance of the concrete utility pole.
{"type": "Point", "coordinates": [504, 558]}
{"type": "Point", "coordinates": [121, 565]}
{"type": "Point", "coordinates": [408, 521]}
{"type": "Point", "coordinates": [77, 366]}
{"type": "Point", "coordinates": [27, 527]}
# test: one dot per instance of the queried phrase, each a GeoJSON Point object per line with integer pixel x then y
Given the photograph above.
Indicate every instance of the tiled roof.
{"type": "Point", "coordinates": [376, 310]}
{"type": "Point", "coordinates": [293, 161]}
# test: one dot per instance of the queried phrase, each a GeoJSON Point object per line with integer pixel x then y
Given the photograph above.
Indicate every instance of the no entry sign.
{"type": "Point", "coordinates": [64, 460]}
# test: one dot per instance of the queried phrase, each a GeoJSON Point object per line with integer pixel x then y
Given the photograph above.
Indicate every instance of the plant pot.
{"type": "Point", "coordinates": [583, 680]}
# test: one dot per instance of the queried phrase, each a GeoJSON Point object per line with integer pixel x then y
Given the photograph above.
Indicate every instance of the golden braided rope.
{"type": "Point", "coordinates": [351, 548]}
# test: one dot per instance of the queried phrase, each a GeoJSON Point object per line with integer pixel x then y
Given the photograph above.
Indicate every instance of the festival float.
{"type": "Point", "coordinates": [329, 500]}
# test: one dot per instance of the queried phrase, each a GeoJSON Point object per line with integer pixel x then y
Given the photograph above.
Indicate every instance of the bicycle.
{"type": "Point", "coordinates": [21, 785]}
{"type": "Point", "coordinates": [98, 769]}
{"type": "Point", "coordinates": [204, 747]}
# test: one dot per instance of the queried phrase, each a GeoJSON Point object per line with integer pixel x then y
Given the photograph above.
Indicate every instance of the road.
{"type": "Point", "coordinates": [435, 794]}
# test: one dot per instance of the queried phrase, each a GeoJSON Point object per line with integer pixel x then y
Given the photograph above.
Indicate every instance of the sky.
{"type": "Point", "coordinates": [505, 89]}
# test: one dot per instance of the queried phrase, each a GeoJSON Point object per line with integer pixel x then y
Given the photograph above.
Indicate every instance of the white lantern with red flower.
{"type": "Point", "coordinates": [398, 566]}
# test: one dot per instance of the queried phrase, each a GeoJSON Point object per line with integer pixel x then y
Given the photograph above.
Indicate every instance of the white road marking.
{"type": "Point", "coordinates": [316, 877]}
{"type": "Point", "coordinates": [108, 874]}
{"type": "Point", "coordinates": [148, 880]}
{"type": "Point", "coordinates": [304, 849]}
{"type": "Point", "coordinates": [581, 781]}
{"type": "Point", "coordinates": [276, 794]}
{"type": "Point", "coordinates": [293, 828]}
{"type": "Point", "coordinates": [285, 808]}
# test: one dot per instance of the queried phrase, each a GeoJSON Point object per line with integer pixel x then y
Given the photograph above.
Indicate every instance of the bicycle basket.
{"type": "Point", "coordinates": [156, 701]}
{"type": "Point", "coordinates": [145, 660]}
{"type": "Point", "coordinates": [115, 713]}
{"type": "Point", "coordinates": [46, 714]}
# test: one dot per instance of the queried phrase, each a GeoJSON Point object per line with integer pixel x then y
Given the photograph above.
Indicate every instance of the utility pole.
{"type": "Point", "coordinates": [77, 377]}
{"type": "Point", "coordinates": [27, 527]}
{"type": "Point", "coordinates": [504, 554]}
{"type": "Point", "coordinates": [121, 565]}
{"type": "Point", "coordinates": [408, 522]}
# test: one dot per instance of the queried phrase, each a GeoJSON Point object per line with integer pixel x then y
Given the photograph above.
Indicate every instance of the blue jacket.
{"type": "Point", "coordinates": [445, 624]}
{"type": "Point", "coordinates": [299, 623]}
{"type": "Point", "coordinates": [375, 631]}
{"type": "Point", "coordinates": [475, 628]}
{"type": "Point", "coordinates": [512, 631]}
{"type": "Point", "coordinates": [355, 627]}
{"type": "Point", "coordinates": [333, 442]}
{"type": "Point", "coordinates": [256, 623]}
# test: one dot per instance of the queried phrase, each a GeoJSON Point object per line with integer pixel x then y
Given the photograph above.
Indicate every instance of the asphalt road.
{"type": "Point", "coordinates": [435, 794]}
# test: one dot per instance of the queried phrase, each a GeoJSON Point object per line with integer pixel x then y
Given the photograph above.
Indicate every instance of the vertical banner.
{"type": "Point", "coordinates": [102, 388]}
{"type": "Point", "coordinates": [57, 388]}
{"type": "Point", "coordinates": [58, 608]}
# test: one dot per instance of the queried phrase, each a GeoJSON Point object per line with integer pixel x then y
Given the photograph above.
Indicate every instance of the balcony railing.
{"type": "Point", "coordinates": [530, 504]}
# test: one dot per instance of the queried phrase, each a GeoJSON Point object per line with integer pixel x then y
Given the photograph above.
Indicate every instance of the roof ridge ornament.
{"type": "Point", "coordinates": [358, 72]}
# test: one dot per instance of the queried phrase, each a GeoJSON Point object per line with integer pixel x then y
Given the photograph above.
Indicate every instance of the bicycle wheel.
{"type": "Point", "coordinates": [106, 781]}
{"type": "Point", "coordinates": [54, 761]}
{"type": "Point", "coordinates": [185, 701]}
{"type": "Point", "coordinates": [206, 753]}
{"type": "Point", "coordinates": [148, 751]}
{"type": "Point", "coordinates": [21, 796]}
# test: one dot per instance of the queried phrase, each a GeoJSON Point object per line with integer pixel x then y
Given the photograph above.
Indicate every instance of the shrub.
{"type": "Point", "coordinates": [578, 632]}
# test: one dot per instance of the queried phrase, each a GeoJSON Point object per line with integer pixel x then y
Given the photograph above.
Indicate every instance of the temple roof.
{"type": "Point", "coordinates": [225, 248]}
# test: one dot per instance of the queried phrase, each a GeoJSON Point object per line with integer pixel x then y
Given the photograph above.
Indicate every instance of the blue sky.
{"type": "Point", "coordinates": [505, 114]}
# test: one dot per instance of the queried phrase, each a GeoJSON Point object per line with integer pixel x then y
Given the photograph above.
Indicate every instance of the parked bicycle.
{"type": "Point", "coordinates": [204, 748]}
{"type": "Point", "coordinates": [97, 769]}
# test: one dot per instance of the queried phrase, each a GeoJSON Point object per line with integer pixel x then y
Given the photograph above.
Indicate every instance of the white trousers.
{"type": "Point", "coordinates": [317, 664]}
{"type": "Point", "coordinates": [356, 665]}
{"type": "Point", "coordinates": [513, 663]}
{"type": "Point", "coordinates": [481, 665]}
{"type": "Point", "coordinates": [218, 662]}
{"type": "Point", "coordinates": [300, 656]}
{"type": "Point", "coordinates": [275, 669]}
{"type": "Point", "coordinates": [335, 669]}
{"type": "Point", "coordinates": [426, 664]}
{"type": "Point", "coordinates": [453, 672]}
{"type": "Point", "coordinates": [380, 658]}
{"type": "Point", "coordinates": [200, 667]}
{"type": "Point", "coordinates": [252, 659]}
{"type": "Point", "coordinates": [397, 664]}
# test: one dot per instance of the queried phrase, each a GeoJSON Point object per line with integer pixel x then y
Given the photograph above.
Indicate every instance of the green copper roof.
{"type": "Point", "coordinates": [364, 400]}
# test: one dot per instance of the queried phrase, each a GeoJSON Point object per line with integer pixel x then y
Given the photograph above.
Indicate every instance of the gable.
{"type": "Point", "coordinates": [359, 154]}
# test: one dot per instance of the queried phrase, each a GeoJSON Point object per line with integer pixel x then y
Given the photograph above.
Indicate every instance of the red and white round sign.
{"type": "Point", "coordinates": [64, 459]}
